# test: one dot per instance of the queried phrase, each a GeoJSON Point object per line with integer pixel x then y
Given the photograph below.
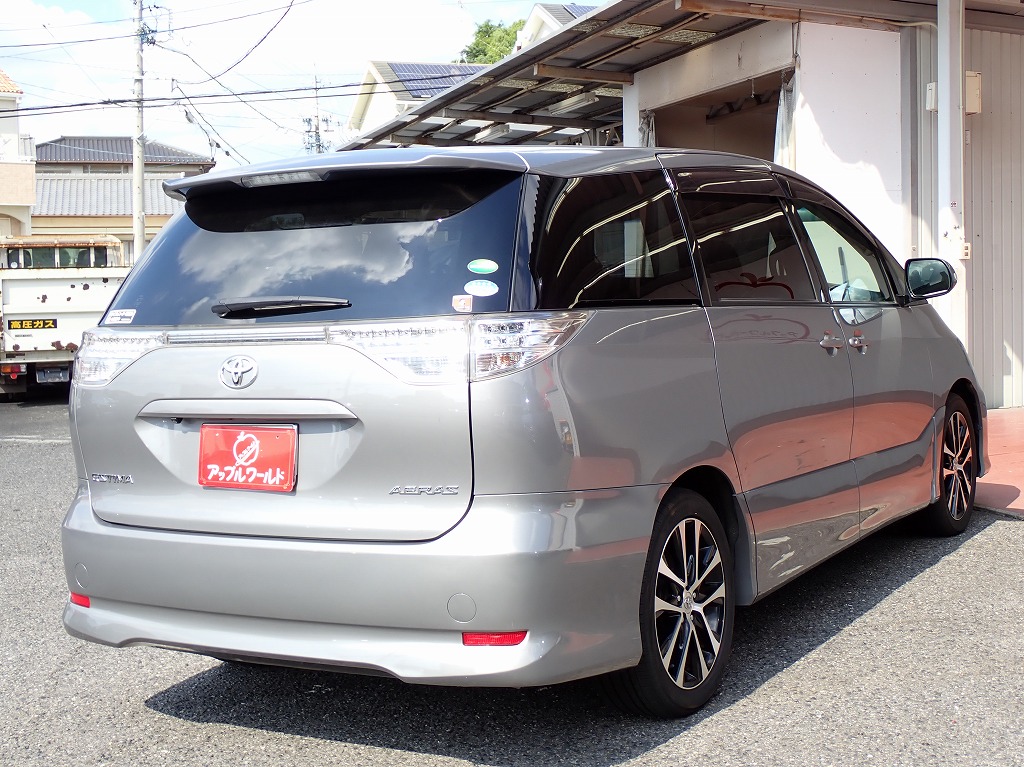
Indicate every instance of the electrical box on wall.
{"type": "Point", "coordinates": [972, 94]}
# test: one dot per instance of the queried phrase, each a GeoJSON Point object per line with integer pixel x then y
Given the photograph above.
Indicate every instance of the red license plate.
{"type": "Point", "coordinates": [248, 457]}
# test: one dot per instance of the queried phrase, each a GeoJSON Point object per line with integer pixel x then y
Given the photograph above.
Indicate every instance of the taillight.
{"type": "Point", "coordinates": [501, 345]}
{"type": "Point", "coordinates": [431, 351]}
{"type": "Point", "coordinates": [105, 353]}
{"type": "Point", "coordinates": [493, 638]}
{"type": "Point", "coordinates": [435, 351]}
{"type": "Point", "coordinates": [81, 600]}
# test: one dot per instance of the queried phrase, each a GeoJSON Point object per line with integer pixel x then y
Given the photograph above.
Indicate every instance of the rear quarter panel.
{"type": "Point", "coordinates": [631, 400]}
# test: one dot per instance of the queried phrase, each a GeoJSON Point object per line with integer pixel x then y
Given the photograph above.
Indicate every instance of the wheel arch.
{"type": "Point", "coordinates": [967, 391]}
{"type": "Point", "coordinates": [715, 487]}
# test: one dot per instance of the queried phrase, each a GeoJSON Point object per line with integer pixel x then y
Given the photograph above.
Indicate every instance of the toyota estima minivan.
{"type": "Point", "coordinates": [503, 416]}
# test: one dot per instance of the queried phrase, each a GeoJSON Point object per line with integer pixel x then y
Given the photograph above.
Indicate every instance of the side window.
{"type": "Point", "coordinates": [613, 240]}
{"type": "Point", "coordinates": [748, 249]}
{"type": "Point", "coordinates": [43, 258]}
{"type": "Point", "coordinates": [848, 259]}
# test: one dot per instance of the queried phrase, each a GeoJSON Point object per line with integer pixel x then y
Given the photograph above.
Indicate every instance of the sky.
{"type": "Point", "coordinates": [217, 89]}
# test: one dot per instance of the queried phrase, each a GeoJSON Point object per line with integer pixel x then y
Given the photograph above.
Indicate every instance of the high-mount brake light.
{"type": "Point", "coordinates": [493, 638]}
{"type": "Point", "coordinates": [274, 179]}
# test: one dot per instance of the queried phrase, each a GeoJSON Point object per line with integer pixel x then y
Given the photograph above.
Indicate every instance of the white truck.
{"type": "Point", "coordinates": [52, 289]}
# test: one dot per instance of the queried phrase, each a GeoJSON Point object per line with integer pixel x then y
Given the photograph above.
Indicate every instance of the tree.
{"type": "Point", "coordinates": [491, 42]}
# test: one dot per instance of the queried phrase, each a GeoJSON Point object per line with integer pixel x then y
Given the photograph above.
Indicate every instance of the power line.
{"type": "Point", "coordinates": [210, 98]}
{"type": "Point", "coordinates": [257, 45]}
{"type": "Point", "coordinates": [122, 20]}
{"type": "Point", "coordinates": [215, 133]}
{"type": "Point", "coordinates": [134, 35]}
{"type": "Point", "coordinates": [231, 92]}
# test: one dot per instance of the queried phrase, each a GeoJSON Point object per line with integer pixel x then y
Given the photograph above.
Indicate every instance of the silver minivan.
{"type": "Point", "coordinates": [503, 416]}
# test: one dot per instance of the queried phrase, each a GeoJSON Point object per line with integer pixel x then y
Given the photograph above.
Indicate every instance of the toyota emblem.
{"type": "Point", "coordinates": [238, 372]}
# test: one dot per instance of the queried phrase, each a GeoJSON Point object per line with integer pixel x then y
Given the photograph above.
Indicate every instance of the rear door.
{"type": "Point", "coordinates": [784, 374]}
{"type": "Point", "coordinates": [372, 456]}
{"type": "Point", "coordinates": [290, 361]}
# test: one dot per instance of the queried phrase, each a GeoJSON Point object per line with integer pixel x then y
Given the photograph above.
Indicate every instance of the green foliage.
{"type": "Point", "coordinates": [491, 42]}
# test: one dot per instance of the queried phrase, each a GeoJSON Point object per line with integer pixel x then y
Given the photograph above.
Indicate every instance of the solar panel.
{"type": "Point", "coordinates": [579, 10]}
{"type": "Point", "coordinates": [428, 80]}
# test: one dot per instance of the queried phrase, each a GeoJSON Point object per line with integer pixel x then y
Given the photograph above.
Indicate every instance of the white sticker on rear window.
{"type": "Point", "coordinates": [481, 288]}
{"type": "Point", "coordinates": [482, 266]}
{"type": "Point", "coordinates": [119, 317]}
{"type": "Point", "coordinates": [462, 303]}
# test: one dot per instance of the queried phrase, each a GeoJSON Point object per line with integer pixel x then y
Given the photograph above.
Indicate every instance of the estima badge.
{"type": "Point", "coordinates": [238, 372]}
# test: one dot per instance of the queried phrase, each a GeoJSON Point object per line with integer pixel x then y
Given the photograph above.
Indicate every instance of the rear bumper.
{"type": "Point", "coordinates": [566, 567]}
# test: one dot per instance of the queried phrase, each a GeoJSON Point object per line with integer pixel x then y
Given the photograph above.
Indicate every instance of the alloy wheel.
{"type": "Point", "coordinates": [690, 603]}
{"type": "Point", "coordinates": [958, 472]}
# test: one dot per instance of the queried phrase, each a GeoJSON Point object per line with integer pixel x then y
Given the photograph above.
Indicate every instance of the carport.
{"type": "Point", "coordinates": [866, 97]}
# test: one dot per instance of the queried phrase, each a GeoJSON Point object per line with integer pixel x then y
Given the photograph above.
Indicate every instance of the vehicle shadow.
{"type": "Point", "coordinates": [36, 396]}
{"type": "Point", "coordinates": [564, 723]}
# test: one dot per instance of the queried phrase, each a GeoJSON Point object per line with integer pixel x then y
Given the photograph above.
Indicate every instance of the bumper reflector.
{"type": "Point", "coordinates": [80, 599]}
{"type": "Point", "coordinates": [492, 638]}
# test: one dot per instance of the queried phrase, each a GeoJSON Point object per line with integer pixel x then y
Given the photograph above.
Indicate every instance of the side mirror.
{"type": "Point", "coordinates": [929, 277]}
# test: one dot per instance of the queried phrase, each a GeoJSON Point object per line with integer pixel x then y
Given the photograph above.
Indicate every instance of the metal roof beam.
{"type": "Point", "coordinates": [876, 14]}
{"type": "Point", "coordinates": [584, 75]}
{"type": "Point", "coordinates": [525, 119]}
{"type": "Point", "coordinates": [394, 138]}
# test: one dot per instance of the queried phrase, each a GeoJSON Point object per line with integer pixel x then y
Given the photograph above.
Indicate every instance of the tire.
{"type": "Point", "coordinates": [687, 606]}
{"type": "Point", "coordinates": [958, 479]}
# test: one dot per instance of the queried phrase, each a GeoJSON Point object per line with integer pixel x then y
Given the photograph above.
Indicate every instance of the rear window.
{"type": "Point", "coordinates": [392, 244]}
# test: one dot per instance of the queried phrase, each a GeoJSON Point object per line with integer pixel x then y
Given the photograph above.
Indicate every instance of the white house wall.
{"type": "Point", "coordinates": [847, 123]}
{"type": "Point", "coordinates": [848, 88]}
{"type": "Point", "coordinates": [994, 215]}
{"type": "Point", "coordinates": [381, 107]}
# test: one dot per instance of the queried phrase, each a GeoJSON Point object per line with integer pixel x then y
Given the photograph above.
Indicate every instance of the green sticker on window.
{"type": "Point", "coordinates": [482, 266]}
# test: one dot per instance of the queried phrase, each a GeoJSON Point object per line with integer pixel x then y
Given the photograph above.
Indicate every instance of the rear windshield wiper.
{"type": "Point", "coordinates": [264, 306]}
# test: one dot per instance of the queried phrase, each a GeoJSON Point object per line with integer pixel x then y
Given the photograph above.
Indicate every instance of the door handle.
{"type": "Point", "coordinates": [831, 343]}
{"type": "Point", "coordinates": [859, 342]}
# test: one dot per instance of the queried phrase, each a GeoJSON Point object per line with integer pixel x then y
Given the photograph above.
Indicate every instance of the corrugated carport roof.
{"type": "Point", "coordinates": [572, 81]}
{"type": "Point", "coordinates": [589, 59]}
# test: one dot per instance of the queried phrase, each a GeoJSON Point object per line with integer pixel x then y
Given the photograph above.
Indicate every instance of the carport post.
{"type": "Point", "coordinates": [631, 115]}
{"type": "Point", "coordinates": [950, 237]}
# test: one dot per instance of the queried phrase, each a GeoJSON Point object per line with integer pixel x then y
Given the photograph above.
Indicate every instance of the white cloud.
{"type": "Point", "coordinates": [325, 41]}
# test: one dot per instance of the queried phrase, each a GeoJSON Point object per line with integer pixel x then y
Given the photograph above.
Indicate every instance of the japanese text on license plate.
{"type": "Point", "coordinates": [247, 457]}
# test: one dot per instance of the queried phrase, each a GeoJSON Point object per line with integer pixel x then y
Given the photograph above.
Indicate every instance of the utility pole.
{"type": "Point", "coordinates": [316, 125]}
{"type": "Point", "coordinates": [139, 150]}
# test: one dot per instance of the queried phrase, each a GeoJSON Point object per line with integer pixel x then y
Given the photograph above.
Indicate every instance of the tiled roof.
{"type": "Point", "coordinates": [93, 194]}
{"type": "Point", "coordinates": [565, 14]}
{"type": "Point", "coordinates": [411, 80]}
{"type": "Point", "coordinates": [7, 84]}
{"type": "Point", "coordinates": [112, 149]}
